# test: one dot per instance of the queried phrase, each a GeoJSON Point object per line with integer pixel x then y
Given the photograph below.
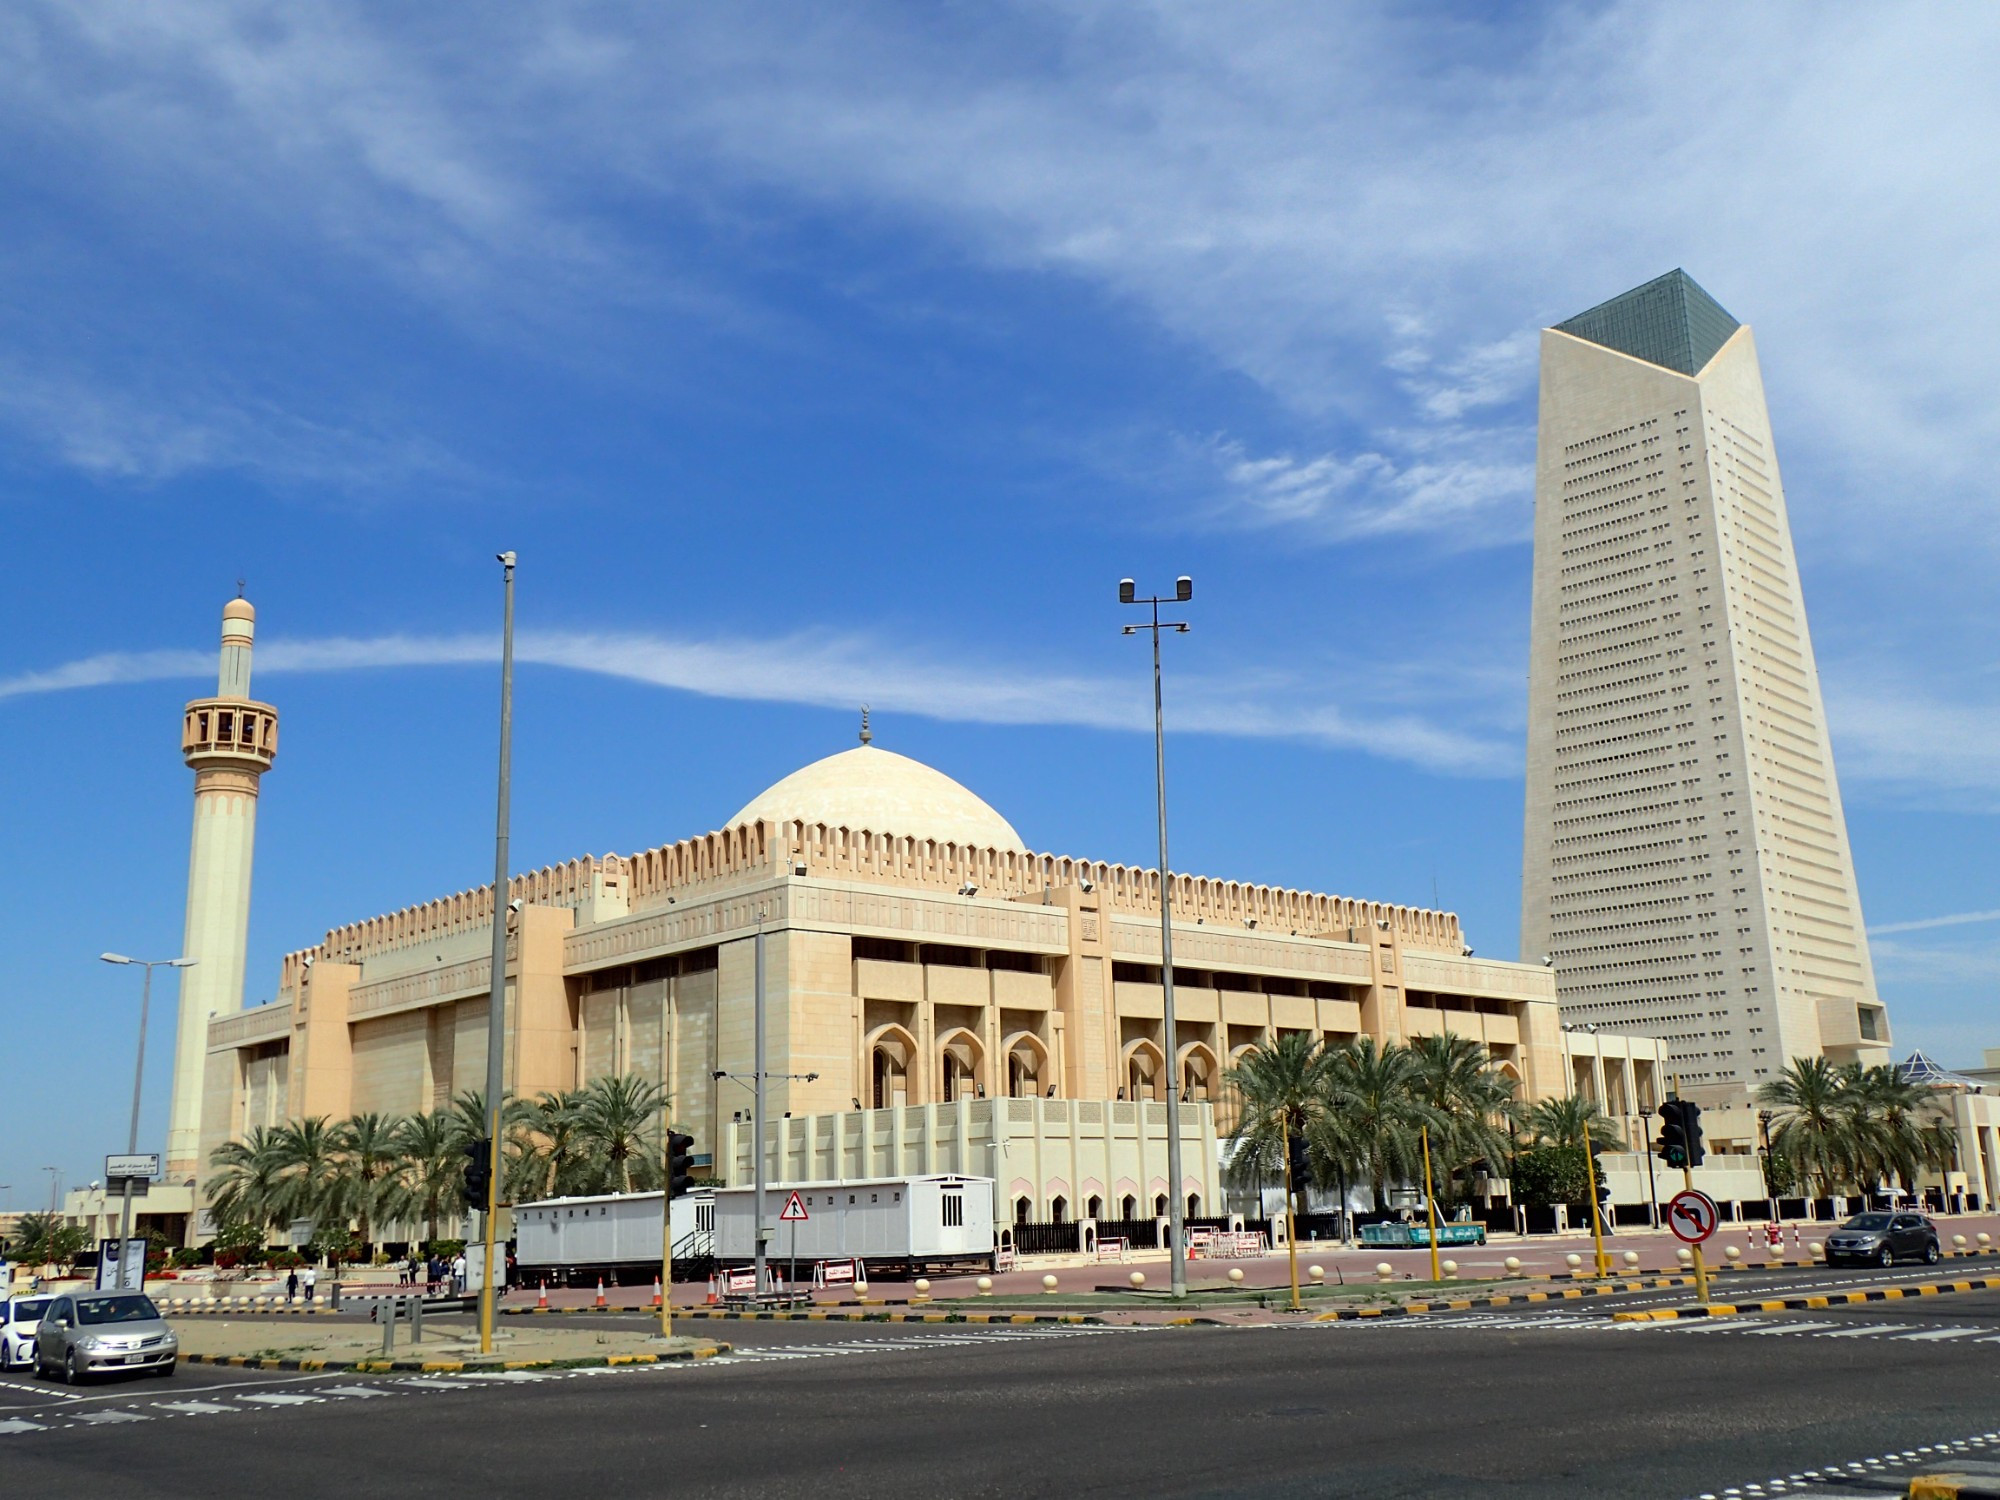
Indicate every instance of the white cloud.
{"type": "Point", "coordinates": [1925, 924]}
{"type": "Point", "coordinates": [1334, 496]}
{"type": "Point", "coordinates": [840, 671]}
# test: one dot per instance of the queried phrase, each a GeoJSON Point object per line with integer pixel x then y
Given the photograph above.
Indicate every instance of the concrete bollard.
{"type": "Point", "coordinates": [1450, 1269]}
{"type": "Point", "coordinates": [1631, 1260]}
{"type": "Point", "coordinates": [1733, 1255]}
{"type": "Point", "coordinates": [1384, 1271]}
{"type": "Point", "coordinates": [1318, 1274]}
{"type": "Point", "coordinates": [923, 1287]}
{"type": "Point", "coordinates": [1984, 1239]}
{"type": "Point", "coordinates": [861, 1288]}
{"type": "Point", "coordinates": [1236, 1276]}
{"type": "Point", "coordinates": [1817, 1250]}
{"type": "Point", "coordinates": [1684, 1255]}
{"type": "Point", "coordinates": [1513, 1265]}
{"type": "Point", "coordinates": [985, 1285]}
{"type": "Point", "coordinates": [1048, 1283]}
{"type": "Point", "coordinates": [1574, 1262]}
{"type": "Point", "coordinates": [1138, 1278]}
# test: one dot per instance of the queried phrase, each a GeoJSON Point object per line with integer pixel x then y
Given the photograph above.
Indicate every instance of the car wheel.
{"type": "Point", "coordinates": [1932, 1254]}
{"type": "Point", "coordinates": [166, 1371]}
{"type": "Point", "coordinates": [72, 1369]}
{"type": "Point", "coordinates": [1887, 1258]}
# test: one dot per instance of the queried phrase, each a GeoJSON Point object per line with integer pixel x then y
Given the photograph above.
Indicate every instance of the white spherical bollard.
{"type": "Point", "coordinates": [1958, 1244]}
{"type": "Point", "coordinates": [1236, 1276]}
{"type": "Point", "coordinates": [1684, 1255]}
{"type": "Point", "coordinates": [1817, 1250]}
{"type": "Point", "coordinates": [1984, 1239]}
{"type": "Point", "coordinates": [1513, 1265]}
{"type": "Point", "coordinates": [1450, 1269]}
{"type": "Point", "coordinates": [923, 1287]}
{"type": "Point", "coordinates": [1573, 1261]}
{"type": "Point", "coordinates": [861, 1288]}
{"type": "Point", "coordinates": [1384, 1271]}
{"type": "Point", "coordinates": [1318, 1274]}
{"type": "Point", "coordinates": [1138, 1278]}
{"type": "Point", "coordinates": [985, 1285]}
{"type": "Point", "coordinates": [1048, 1283]}
{"type": "Point", "coordinates": [1631, 1260]}
{"type": "Point", "coordinates": [1733, 1254]}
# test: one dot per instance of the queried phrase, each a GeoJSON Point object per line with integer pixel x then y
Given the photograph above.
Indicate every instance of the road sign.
{"type": "Point", "coordinates": [135, 1164]}
{"type": "Point", "coordinates": [795, 1211]}
{"type": "Point", "coordinates": [1692, 1216]}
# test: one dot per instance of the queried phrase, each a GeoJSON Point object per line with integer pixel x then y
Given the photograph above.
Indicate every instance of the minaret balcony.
{"type": "Point", "coordinates": [230, 731]}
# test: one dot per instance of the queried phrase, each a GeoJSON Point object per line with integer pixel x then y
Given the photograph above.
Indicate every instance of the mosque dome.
{"type": "Point", "coordinates": [882, 792]}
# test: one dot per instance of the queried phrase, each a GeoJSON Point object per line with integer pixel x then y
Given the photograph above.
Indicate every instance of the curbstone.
{"type": "Point", "coordinates": [449, 1366]}
{"type": "Point", "coordinates": [1505, 1299]}
{"type": "Point", "coordinates": [1812, 1304]}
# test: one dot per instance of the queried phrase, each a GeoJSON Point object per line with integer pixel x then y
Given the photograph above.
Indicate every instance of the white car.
{"type": "Point", "coordinates": [19, 1318]}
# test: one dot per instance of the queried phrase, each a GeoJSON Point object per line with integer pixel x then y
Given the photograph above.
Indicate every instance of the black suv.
{"type": "Point", "coordinates": [1884, 1239]}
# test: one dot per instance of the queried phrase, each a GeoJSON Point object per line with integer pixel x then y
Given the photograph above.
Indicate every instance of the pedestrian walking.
{"type": "Point", "coordinates": [458, 1274]}
{"type": "Point", "coordinates": [309, 1281]}
{"type": "Point", "coordinates": [292, 1285]}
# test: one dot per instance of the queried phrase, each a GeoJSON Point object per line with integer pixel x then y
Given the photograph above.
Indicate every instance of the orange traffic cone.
{"type": "Point", "coordinates": [542, 1298]}
{"type": "Point", "coordinates": [600, 1292]}
{"type": "Point", "coordinates": [656, 1291]}
{"type": "Point", "coordinates": [712, 1298]}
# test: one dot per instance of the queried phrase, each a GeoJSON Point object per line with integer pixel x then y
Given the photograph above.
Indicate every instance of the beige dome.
{"type": "Point", "coordinates": [882, 792]}
{"type": "Point", "coordinates": [238, 609]}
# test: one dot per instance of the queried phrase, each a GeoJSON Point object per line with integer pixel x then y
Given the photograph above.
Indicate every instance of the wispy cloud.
{"type": "Point", "coordinates": [833, 671]}
{"type": "Point", "coordinates": [1924, 924]}
{"type": "Point", "coordinates": [1333, 496]}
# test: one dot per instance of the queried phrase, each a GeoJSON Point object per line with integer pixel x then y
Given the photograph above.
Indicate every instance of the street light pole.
{"type": "Point", "coordinates": [1177, 1266]}
{"type": "Point", "coordinates": [496, 1004]}
{"type": "Point", "coordinates": [138, 1080]}
{"type": "Point", "coordinates": [1652, 1191]}
{"type": "Point", "coordinates": [757, 1112]}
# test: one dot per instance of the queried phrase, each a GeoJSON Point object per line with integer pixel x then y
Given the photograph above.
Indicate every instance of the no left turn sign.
{"type": "Point", "coordinates": [1692, 1216]}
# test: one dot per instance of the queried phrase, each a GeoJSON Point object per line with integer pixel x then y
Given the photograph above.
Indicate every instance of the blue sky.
{"type": "Point", "coordinates": [815, 357]}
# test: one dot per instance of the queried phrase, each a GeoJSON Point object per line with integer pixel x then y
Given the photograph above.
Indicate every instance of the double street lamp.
{"type": "Point", "coordinates": [138, 1079]}
{"type": "Point", "coordinates": [1128, 593]}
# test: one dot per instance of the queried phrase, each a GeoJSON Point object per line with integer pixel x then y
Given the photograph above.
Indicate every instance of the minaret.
{"type": "Point", "coordinates": [229, 740]}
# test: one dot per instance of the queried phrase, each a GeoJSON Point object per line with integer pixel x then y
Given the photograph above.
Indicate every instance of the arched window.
{"type": "Point", "coordinates": [1094, 1209]}
{"type": "Point", "coordinates": [1059, 1210]}
{"type": "Point", "coordinates": [1194, 1205]}
{"type": "Point", "coordinates": [1129, 1208]}
{"type": "Point", "coordinates": [1160, 1206]}
{"type": "Point", "coordinates": [1022, 1208]}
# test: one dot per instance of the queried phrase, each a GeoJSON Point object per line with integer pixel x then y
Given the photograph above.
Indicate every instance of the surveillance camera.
{"type": "Point", "coordinates": [1548, 962]}
{"type": "Point", "coordinates": [516, 904]}
{"type": "Point", "coordinates": [1086, 886]}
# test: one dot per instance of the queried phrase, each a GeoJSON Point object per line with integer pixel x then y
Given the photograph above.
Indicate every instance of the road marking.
{"type": "Point", "coordinates": [197, 1408]}
{"type": "Point", "coordinates": [1938, 1333]}
{"type": "Point", "coordinates": [20, 1424]}
{"type": "Point", "coordinates": [281, 1398]}
{"type": "Point", "coordinates": [97, 1418]}
{"type": "Point", "coordinates": [360, 1392]}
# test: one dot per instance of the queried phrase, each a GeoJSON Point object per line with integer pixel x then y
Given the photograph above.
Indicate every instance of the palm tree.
{"type": "Point", "coordinates": [433, 1168]}
{"type": "Point", "coordinates": [616, 1117]}
{"type": "Point", "coordinates": [1281, 1086]}
{"type": "Point", "coordinates": [248, 1183]}
{"type": "Point", "coordinates": [1472, 1098]}
{"type": "Point", "coordinates": [1812, 1130]}
{"type": "Point", "coordinates": [1570, 1121]}
{"type": "Point", "coordinates": [1374, 1117]}
{"type": "Point", "coordinates": [309, 1178]}
{"type": "Point", "coordinates": [555, 1146]}
{"type": "Point", "coordinates": [370, 1162]}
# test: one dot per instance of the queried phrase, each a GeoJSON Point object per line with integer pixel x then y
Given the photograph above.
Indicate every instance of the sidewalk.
{"type": "Point", "coordinates": [257, 1344]}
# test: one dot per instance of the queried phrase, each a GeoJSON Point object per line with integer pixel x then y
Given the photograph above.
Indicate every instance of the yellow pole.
{"type": "Point", "coordinates": [1700, 1270]}
{"type": "Point", "coordinates": [1291, 1224]}
{"type": "Point", "coordinates": [1596, 1218]}
{"type": "Point", "coordinates": [1430, 1202]}
{"type": "Point", "coordinates": [666, 1245]}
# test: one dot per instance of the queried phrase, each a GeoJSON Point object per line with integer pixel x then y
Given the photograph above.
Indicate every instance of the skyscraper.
{"type": "Point", "coordinates": [1686, 868]}
{"type": "Point", "coordinates": [230, 741]}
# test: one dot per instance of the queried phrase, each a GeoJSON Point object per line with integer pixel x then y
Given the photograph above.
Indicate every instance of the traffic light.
{"type": "Point", "coordinates": [1297, 1158]}
{"type": "Point", "coordinates": [680, 1163]}
{"type": "Point", "coordinates": [478, 1172]}
{"type": "Point", "coordinates": [1680, 1133]}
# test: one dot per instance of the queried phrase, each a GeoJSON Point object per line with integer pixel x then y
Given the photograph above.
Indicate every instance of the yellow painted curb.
{"type": "Point", "coordinates": [1935, 1487]}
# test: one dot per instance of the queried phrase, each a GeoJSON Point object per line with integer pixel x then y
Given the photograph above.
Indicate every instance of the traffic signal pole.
{"type": "Point", "coordinates": [667, 1240]}
{"type": "Point", "coordinates": [1700, 1270]}
{"type": "Point", "coordinates": [1596, 1216]}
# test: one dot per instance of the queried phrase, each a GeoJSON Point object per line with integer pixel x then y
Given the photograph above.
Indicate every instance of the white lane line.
{"type": "Point", "coordinates": [197, 1408]}
{"type": "Point", "coordinates": [360, 1392]}
{"type": "Point", "coordinates": [1787, 1327]}
{"type": "Point", "coordinates": [1937, 1333]}
{"type": "Point", "coordinates": [281, 1398]}
{"type": "Point", "coordinates": [1861, 1331]}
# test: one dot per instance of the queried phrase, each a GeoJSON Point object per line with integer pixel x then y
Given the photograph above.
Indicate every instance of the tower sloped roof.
{"type": "Point", "coordinates": [1670, 322]}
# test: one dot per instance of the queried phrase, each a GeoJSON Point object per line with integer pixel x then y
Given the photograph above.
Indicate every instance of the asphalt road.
{"type": "Point", "coordinates": [1553, 1401]}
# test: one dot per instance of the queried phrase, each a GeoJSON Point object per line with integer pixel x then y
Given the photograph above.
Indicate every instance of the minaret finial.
{"type": "Point", "coordinates": [239, 588]}
{"type": "Point", "coordinates": [867, 734]}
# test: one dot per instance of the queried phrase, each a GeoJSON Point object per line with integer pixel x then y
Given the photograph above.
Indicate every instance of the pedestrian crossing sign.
{"type": "Point", "coordinates": [795, 1210]}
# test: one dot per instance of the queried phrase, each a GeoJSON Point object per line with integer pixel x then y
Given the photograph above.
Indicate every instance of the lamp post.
{"type": "Point", "coordinates": [1652, 1192]}
{"type": "Point", "coordinates": [55, 1187]}
{"type": "Point", "coordinates": [1602, 1262]}
{"type": "Point", "coordinates": [1764, 1118]}
{"type": "Point", "coordinates": [138, 1079]}
{"type": "Point", "coordinates": [496, 1003]}
{"type": "Point", "coordinates": [1128, 593]}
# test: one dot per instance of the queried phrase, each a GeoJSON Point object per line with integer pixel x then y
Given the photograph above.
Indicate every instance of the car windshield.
{"type": "Point", "coordinates": [27, 1309]}
{"type": "Point", "coordinates": [131, 1309]}
{"type": "Point", "coordinates": [1867, 1221]}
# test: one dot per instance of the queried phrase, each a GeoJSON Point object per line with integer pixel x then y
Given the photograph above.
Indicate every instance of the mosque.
{"type": "Point", "coordinates": [938, 997]}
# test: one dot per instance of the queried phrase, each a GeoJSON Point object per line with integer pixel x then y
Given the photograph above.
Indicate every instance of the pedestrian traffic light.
{"type": "Point", "coordinates": [680, 1163]}
{"type": "Point", "coordinates": [478, 1172]}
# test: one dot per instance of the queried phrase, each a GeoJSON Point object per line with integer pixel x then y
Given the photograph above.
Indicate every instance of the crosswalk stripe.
{"type": "Point", "coordinates": [100, 1418]}
{"type": "Point", "coordinates": [197, 1408]}
{"type": "Point", "coordinates": [1938, 1333]}
{"type": "Point", "coordinates": [20, 1424]}
{"type": "Point", "coordinates": [362, 1392]}
{"type": "Point", "coordinates": [280, 1398]}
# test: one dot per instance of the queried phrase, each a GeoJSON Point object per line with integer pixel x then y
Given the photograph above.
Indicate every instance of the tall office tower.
{"type": "Point", "coordinates": [230, 741]}
{"type": "Point", "coordinates": [1686, 866]}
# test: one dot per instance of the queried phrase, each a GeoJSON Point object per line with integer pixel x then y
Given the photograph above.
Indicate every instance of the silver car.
{"type": "Point", "coordinates": [84, 1333]}
{"type": "Point", "coordinates": [19, 1317]}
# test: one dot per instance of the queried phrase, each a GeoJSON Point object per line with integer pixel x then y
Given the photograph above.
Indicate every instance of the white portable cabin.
{"type": "Point", "coordinates": [607, 1231]}
{"type": "Point", "coordinates": [914, 1220]}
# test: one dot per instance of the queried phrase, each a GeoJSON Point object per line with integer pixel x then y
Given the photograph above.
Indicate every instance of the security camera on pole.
{"type": "Point", "coordinates": [1128, 593]}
